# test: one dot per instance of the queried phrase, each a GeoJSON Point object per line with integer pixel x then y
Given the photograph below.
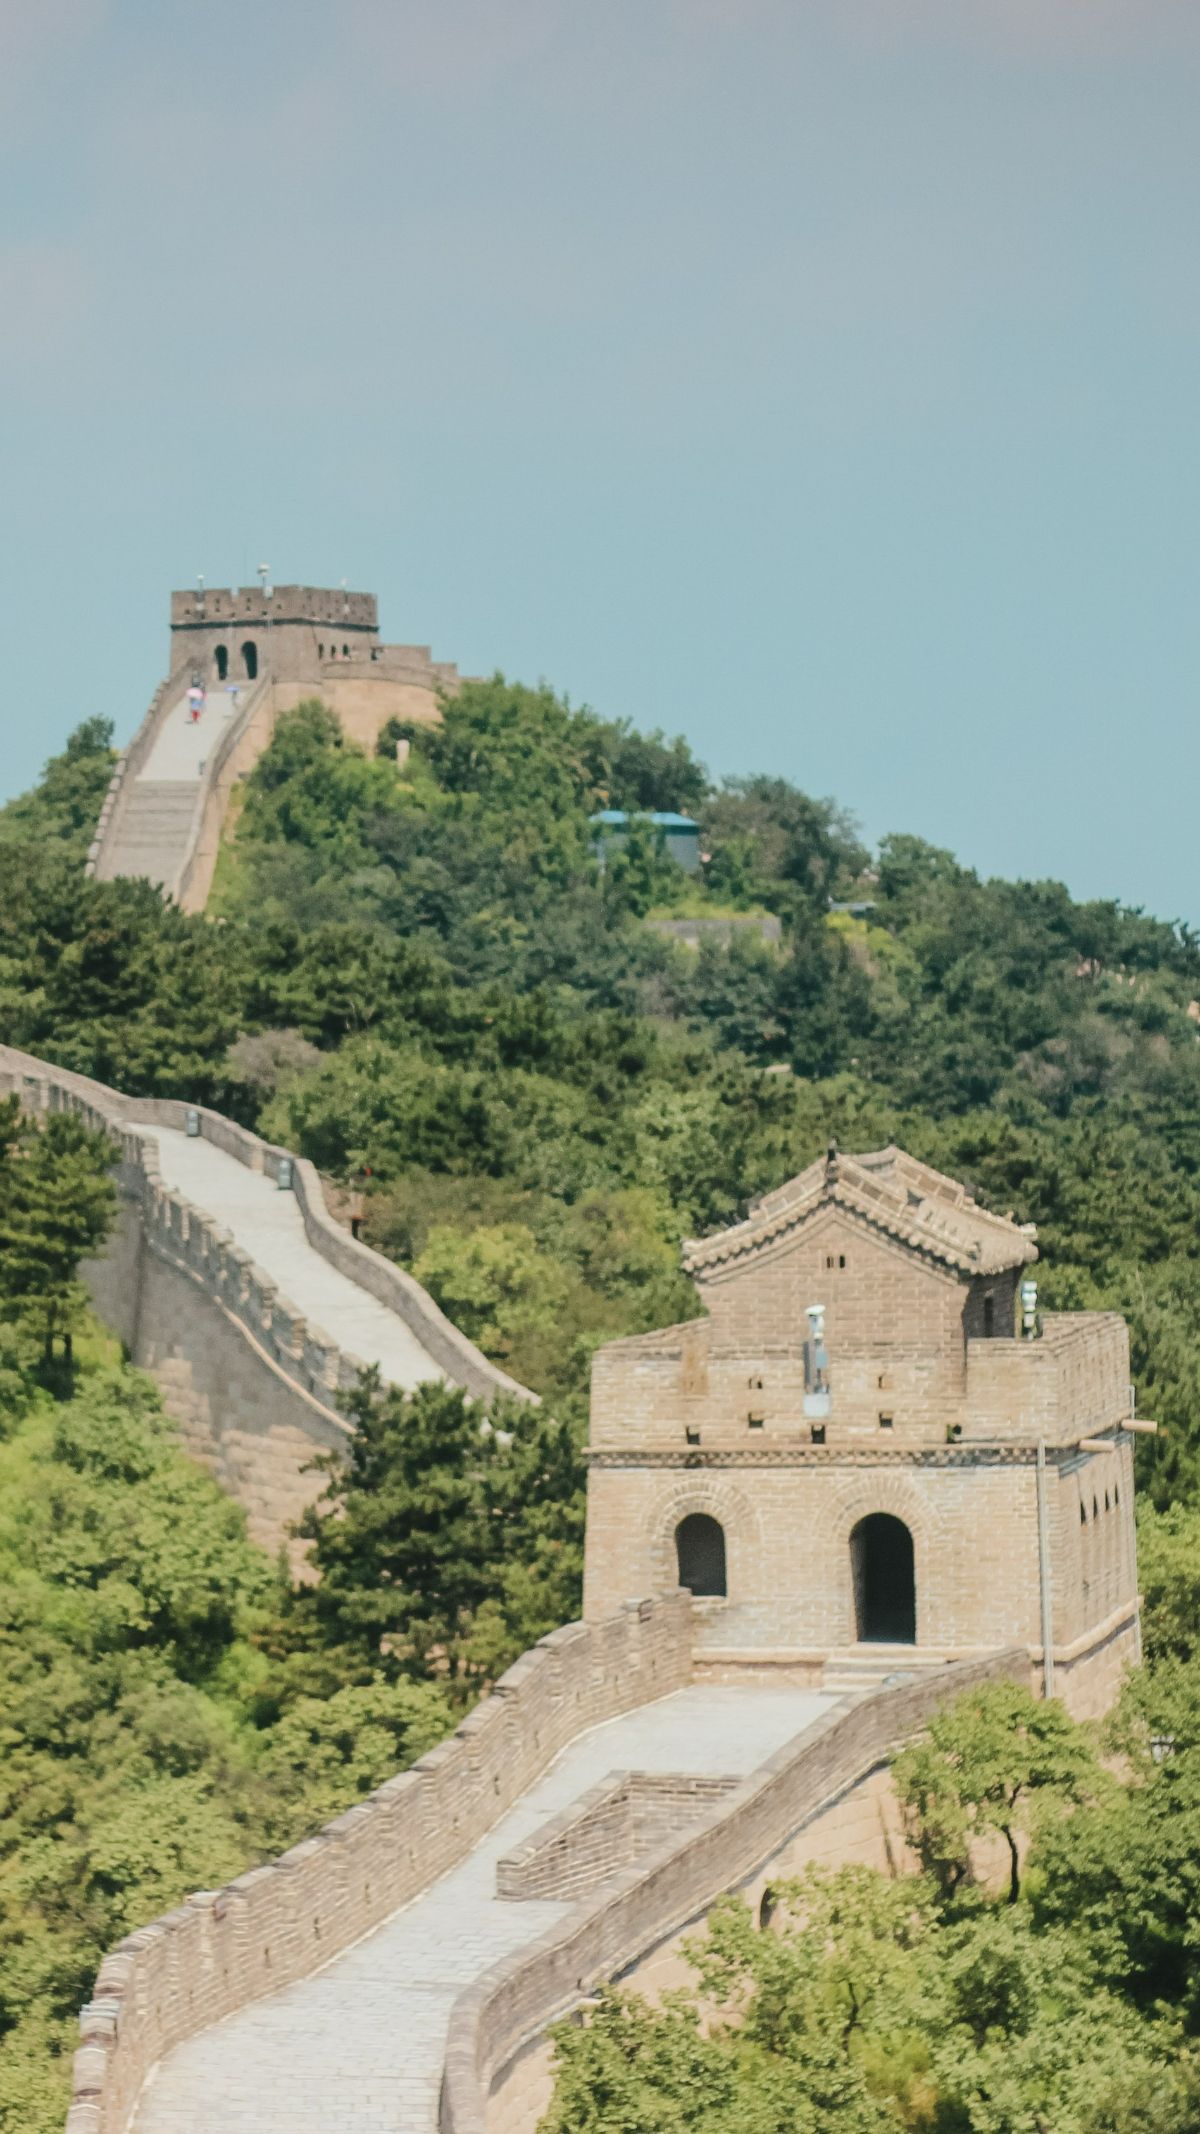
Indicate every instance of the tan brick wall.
{"type": "Point", "coordinates": [931, 1419]}
{"type": "Point", "coordinates": [788, 1530]}
{"type": "Point", "coordinates": [238, 1415]}
{"type": "Point", "coordinates": [629, 1814]}
{"type": "Point", "coordinates": [255, 1391]}
{"type": "Point", "coordinates": [625, 1927]}
{"type": "Point", "coordinates": [787, 1537]}
{"type": "Point", "coordinates": [284, 1920]}
{"type": "Point", "coordinates": [893, 1321]}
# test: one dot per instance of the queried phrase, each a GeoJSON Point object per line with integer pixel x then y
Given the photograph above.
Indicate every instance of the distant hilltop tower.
{"type": "Point", "coordinates": [308, 641]}
{"type": "Point", "coordinates": [239, 658]}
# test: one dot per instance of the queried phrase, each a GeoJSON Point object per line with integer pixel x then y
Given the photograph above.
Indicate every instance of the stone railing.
{"type": "Point", "coordinates": [129, 765]}
{"type": "Point", "coordinates": [644, 1904]}
{"type": "Point", "coordinates": [195, 1240]}
{"type": "Point", "coordinates": [278, 1923]}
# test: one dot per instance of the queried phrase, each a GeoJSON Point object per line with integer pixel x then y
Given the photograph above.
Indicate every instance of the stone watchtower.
{"type": "Point", "coordinates": [309, 641]}
{"type": "Point", "coordinates": [871, 1445]}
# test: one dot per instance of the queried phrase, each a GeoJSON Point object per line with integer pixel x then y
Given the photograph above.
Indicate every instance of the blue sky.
{"type": "Point", "coordinates": [815, 377]}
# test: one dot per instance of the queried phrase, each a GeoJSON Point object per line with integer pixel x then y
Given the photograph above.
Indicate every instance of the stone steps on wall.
{"type": "Point", "coordinates": [152, 837]}
{"type": "Point", "coordinates": [861, 1669]}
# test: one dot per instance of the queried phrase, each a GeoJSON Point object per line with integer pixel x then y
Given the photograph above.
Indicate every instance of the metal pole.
{"type": "Point", "coordinates": [1131, 1530]}
{"type": "Point", "coordinates": [1043, 1517]}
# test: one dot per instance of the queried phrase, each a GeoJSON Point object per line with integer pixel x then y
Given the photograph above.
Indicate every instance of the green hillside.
{"type": "Point", "coordinates": [417, 970]}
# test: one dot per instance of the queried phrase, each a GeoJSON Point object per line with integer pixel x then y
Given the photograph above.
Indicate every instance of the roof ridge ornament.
{"type": "Point", "coordinates": [831, 1164]}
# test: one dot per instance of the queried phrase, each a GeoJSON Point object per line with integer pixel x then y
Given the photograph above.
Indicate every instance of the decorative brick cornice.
{"type": "Point", "coordinates": [833, 1456]}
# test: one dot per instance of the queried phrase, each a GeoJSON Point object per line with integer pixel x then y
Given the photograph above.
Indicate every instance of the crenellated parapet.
{"type": "Point", "coordinates": [204, 607]}
{"type": "Point", "coordinates": [282, 1920]}
{"type": "Point", "coordinates": [258, 1387]}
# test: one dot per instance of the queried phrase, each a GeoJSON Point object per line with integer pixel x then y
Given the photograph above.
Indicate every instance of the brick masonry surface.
{"type": "Point", "coordinates": [253, 1309]}
{"type": "Point", "coordinates": [622, 1819]}
{"type": "Point", "coordinates": [235, 1953]}
{"type": "Point", "coordinates": [933, 1414]}
{"type": "Point", "coordinates": [361, 2045]}
{"type": "Point", "coordinates": [822, 1796]}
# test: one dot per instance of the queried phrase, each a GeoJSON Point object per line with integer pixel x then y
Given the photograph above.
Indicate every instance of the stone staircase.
{"type": "Point", "coordinates": [860, 1669]}
{"type": "Point", "coordinates": [152, 824]}
{"type": "Point", "coordinates": [152, 836]}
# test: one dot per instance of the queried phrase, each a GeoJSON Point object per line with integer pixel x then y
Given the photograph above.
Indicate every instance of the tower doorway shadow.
{"type": "Point", "coordinates": [885, 1591]}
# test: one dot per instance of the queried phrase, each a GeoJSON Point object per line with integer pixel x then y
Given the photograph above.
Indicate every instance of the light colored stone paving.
{"type": "Point", "coordinates": [267, 1223]}
{"type": "Point", "coordinates": [180, 749]}
{"type": "Point", "coordinates": [359, 2046]}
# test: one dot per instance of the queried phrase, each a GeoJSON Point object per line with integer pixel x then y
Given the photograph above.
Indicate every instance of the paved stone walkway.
{"type": "Point", "coordinates": [157, 819]}
{"type": "Point", "coordinates": [268, 1224]}
{"type": "Point", "coordinates": [358, 2048]}
{"type": "Point", "coordinates": [180, 749]}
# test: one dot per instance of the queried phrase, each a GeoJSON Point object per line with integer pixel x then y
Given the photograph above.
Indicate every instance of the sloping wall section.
{"type": "Point", "coordinates": [493, 2083]}
{"type": "Point", "coordinates": [257, 1389]}
{"type": "Point", "coordinates": [282, 1921]}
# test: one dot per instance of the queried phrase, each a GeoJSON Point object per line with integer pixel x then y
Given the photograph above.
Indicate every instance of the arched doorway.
{"type": "Point", "coordinates": [250, 657]}
{"type": "Point", "coordinates": [885, 1590]}
{"type": "Point", "coordinates": [700, 1549]}
{"type": "Point", "coordinates": [221, 656]}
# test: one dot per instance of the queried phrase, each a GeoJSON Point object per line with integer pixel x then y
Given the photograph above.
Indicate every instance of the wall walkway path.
{"type": "Point", "coordinates": [162, 815]}
{"type": "Point", "coordinates": [268, 1224]}
{"type": "Point", "coordinates": [150, 826]}
{"type": "Point", "coordinates": [360, 2045]}
{"type": "Point", "coordinates": [228, 1279]}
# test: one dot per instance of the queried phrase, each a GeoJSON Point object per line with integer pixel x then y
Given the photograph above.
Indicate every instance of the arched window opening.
{"type": "Point", "coordinates": [222, 659]}
{"type": "Point", "coordinates": [320, 651]}
{"type": "Point", "coordinates": [1082, 1512]}
{"type": "Point", "coordinates": [1116, 1492]}
{"type": "Point", "coordinates": [1095, 1509]}
{"type": "Point", "coordinates": [766, 1909]}
{"type": "Point", "coordinates": [250, 659]}
{"type": "Point", "coordinates": [1107, 1505]}
{"type": "Point", "coordinates": [885, 1590]}
{"type": "Point", "coordinates": [345, 651]}
{"type": "Point", "coordinates": [700, 1549]}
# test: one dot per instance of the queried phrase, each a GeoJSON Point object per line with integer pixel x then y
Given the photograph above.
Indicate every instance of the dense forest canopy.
{"type": "Point", "coordinates": [417, 969]}
{"type": "Point", "coordinates": [420, 968]}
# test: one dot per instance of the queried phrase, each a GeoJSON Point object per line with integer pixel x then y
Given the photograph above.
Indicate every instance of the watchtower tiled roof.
{"type": "Point", "coordinates": [891, 1192]}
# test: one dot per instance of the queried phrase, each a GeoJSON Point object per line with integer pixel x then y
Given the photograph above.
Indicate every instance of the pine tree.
{"type": "Point", "coordinates": [56, 1207]}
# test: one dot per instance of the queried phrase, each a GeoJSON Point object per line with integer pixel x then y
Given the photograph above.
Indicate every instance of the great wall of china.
{"type": "Point", "coordinates": [256, 652]}
{"type": "Point", "coordinates": [410, 1956]}
{"type": "Point", "coordinates": [229, 1280]}
{"type": "Point", "coordinates": [399, 1969]}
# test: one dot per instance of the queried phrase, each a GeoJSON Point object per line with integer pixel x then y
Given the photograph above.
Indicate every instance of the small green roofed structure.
{"type": "Point", "coordinates": [680, 834]}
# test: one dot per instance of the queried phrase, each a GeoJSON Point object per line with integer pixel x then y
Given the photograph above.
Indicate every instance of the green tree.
{"type": "Point", "coordinates": [498, 1287]}
{"type": "Point", "coordinates": [996, 1759]}
{"type": "Point", "coordinates": [440, 1511]}
{"type": "Point", "coordinates": [325, 1753]}
{"type": "Point", "coordinates": [57, 1204]}
{"type": "Point", "coordinates": [865, 2007]}
{"type": "Point", "coordinates": [64, 807]}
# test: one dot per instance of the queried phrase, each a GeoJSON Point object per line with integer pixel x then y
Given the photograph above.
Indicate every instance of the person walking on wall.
{"type": "Point", "coordinates": [196, 699]}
